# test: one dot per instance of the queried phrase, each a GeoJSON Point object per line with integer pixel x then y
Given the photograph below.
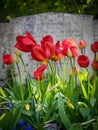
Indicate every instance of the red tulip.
{"type": "Point", "coordinates": [69, 48]}
{"type": "Point", "coordinates": [38, 53]}
{"type": "Point", "coordinates": [58, 48]}
{"type": "Point", "coordinates": [74, 51]}
{"type": "Point", "coordinates": [38, 74]}
{"type": "Point", "coordinates": [94, 47]}
{"type": "Point", "coordinates": [47, 50]}
{"type": "Point", "coordinates": [7, 59]}
{"type": "Point", "coordinates": [95, 65]}
{"type": "Point", "coordinates": [66, 45]}
{"type": "Point", "coordinates": [72, 42]}
{"type": "Point", "coordinates": [82, 44]}
{"type": "Point", "coordinates": [83, 61]}
{"type": "Point", "coordinates": [52, 51]}
{"type": "Point", "coordinates": [25, 43]}
{"type": "Point", "coordinates": [48, 45]}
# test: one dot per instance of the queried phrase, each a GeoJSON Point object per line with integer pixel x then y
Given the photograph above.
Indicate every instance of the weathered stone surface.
{"type": "Point", "coordinates": [59, 25]}
{"type": "Point", "coordinates": [95, 25]}
{"type": "Point", "coordinates": [5, 45]}
{"type": "Point", "coordinates": [2, 84]}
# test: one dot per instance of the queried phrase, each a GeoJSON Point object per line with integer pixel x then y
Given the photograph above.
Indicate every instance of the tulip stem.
{"type": "Point", "coordinates": [12, 73]}
{"type": "Point", "coordinates": [24, 66]}
{"type": "Point", "coordinates": [65, 69]}
{"type": "Point", "coordinates": [50, 67]}
{"type": "Point", "coordinates": [71, 63]}
{"type": "Point", "coordinates": [53, 70]}
{"type": "Point", "coordinates": [20, 81]}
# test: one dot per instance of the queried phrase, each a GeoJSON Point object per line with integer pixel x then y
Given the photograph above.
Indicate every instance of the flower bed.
{"type": "Point", "coordinates": [58, 91]}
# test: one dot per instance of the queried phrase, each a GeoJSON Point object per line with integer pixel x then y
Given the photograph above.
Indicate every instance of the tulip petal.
{"type": "Point", "coordinates": [38, 74]}
{"type": "Point", "coordinates": [28, 35]}
{"type": "Point", "coordinates": [47, 38]}
{"type": "Point", "coordinates": [38, 53]}
{"type": "Point", "coordinates": [71, 40]}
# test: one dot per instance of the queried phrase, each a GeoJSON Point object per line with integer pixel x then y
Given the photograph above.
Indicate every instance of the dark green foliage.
{"type": "Point", "coordinates": [15, 8]}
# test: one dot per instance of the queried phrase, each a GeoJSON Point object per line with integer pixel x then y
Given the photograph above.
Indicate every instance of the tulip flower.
{"type": "Point", "coordinates": [83, 61]}
{"type": "Point", "coordinates": [94, 47]}
{"type": "Point", "coordinates": [48, 46]}
{"type": "Point", "coordinates": [69, 48]}
{"type": "Point", "coordinates": [52, 52]}
{"type": "Point", "coordinates": [82, 44]}
{"type": "Point", "coordinates": [46, 51]}
{"type": "Point", "coordinates": [58, 52]}
{"type": "Point", "coordinates": [95, 65]}
{"type": "Point", "coordinates": [7, 59]}
{"type": "Point", "coordinates": [25, 43]}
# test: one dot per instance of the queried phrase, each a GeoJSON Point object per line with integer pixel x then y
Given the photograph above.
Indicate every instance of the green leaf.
{"type": "Point", "coordinates": [2, 92]}
{"type": "Point", "coordinates": [18, 104]}
{"type": "Point", "coordinates": [75, 96]}
{"type": "Point", "coordinates": [92, 101]}
{"type": "Point", "coordinates": [96, 87]}
{"type": "Point", "coordinates": [63, 114]}
{"type": "Point", "coordinates": [9, 92]}
{"type": "Point", "coordinates": [51, 111]}
{"type": "Point", "coordinates": [85, 112]}
{"type": "Point", "coordinates": [76, 126]}
{"type": "Point", "coordinates": [11, 118]}
{"type": "Point", "coordinates": [83, 88]}
{"type": "Point", "coordinates": [27, 112]}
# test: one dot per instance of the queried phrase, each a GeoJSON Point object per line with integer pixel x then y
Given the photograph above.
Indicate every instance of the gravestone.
{"type": "Point", "coordinates": [60, 25]}
{"type": "Point", "coordinates": [95, 25]}
{"type": "Point", "coordinates": [5, 46]}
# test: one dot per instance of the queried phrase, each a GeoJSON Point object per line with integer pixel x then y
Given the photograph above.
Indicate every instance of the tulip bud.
{"type": "Point", "coordinates": [7, 59]}
{"type": "Point", "coordinates": [69, 53]}
{"type": "Point", "coordinates": [94, 46]}
{"type": "Point", "coordinates": [96, 57]}
{"type": "Point", "coordinates": [17, 52]}
{"type": "Point", "coordinates": [94, 65]}
{"type": "Point", "coordinates": [82, 44]}
{"type": "Point", "coordinates": [2, 116]}
{"type": "Point", "coordinates": [16, 59]}
{"type": "Point", "coordinates": [70, 105]}
{"type": "Point", "coordinates": [74, 70]}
